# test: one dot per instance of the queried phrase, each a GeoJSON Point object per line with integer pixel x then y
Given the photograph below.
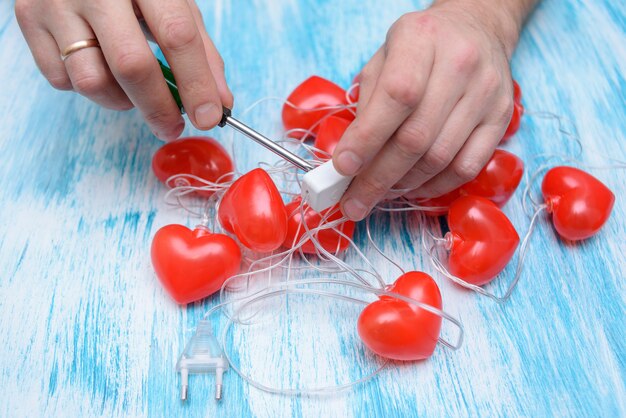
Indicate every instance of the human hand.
{"type": "Point", "coordinates": [123, 72]}
{"type": "Point", "coordinates": [434, 102]}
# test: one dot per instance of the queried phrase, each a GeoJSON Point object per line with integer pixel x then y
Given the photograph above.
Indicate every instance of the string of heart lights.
{"type": "Point", "coordinates": [264, 259]}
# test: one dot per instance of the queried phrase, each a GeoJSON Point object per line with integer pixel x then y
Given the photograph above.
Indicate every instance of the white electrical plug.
{"type": "Point", "coordinates": [323, 186]}
{"type": "Point", "coordinates": [202, 355]}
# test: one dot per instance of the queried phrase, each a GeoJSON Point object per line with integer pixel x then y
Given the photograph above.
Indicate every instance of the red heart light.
{"type": "Point", "coordinates": [481, 240]}
{"type": "Point", "coordinates": [399, 330]}
{"type": "Point", "coordinates": [514, 124]}
{"type": "Point", "coordinates": [497, 181]}
{"type": "Point", "coordinates": [518, 112]}
{"type": "Point", "coordinates": [330, 240]}
{"type": "Point", "coordinates": [580, 204]}
{"type": "Point", "coordinates": [443, 202]}
{"type": "Point", "coordinates": [330, 132]}
{"type": "Point", "coordinates": [203, 157]}
{"type": "Point", "coordinates": [314, 93]}
{"type": "Point", "coordinates": [192, 265]}
{"type": "Point", "coordinates": [517, 92]}
{"type": "Point", "coordinates": [253, 210]}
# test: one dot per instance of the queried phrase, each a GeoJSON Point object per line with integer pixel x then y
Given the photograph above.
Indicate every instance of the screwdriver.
{"type": "Point", "coordinates": [322, 186]}
{"type": "Point", "coordinates": [228, 119]}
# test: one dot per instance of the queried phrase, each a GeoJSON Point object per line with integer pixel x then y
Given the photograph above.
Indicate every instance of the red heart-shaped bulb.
{"type": "Point", "coordinates": [203, 157]}
{"type": "Point", "coordinates": [399, 330]}
{"type": "Point", "coordinates": [516, 121]}
{"type": "Point", "coordinates": [253, 210]}
{"type": "Point", "coordinates": [580, 204]}
{"type": "Point", "coordinates": [314, 93]}
{"type": "Point", "coordinates": [330, 132]}
{"type": "Point", "coordinates": [330, 240]}
{"type": "Point", "coordinates": [442, 202]}
{"type": "Point", "coordinates": [517, 92]}
{"type": "Point", "coordinates": [518, 112]}
{"type": "Point", "coordinates": [481, 240]}
{"type": "Point", "coordinates": [192, 265]}
{"type": "Point", "coordinates": [497, 181]}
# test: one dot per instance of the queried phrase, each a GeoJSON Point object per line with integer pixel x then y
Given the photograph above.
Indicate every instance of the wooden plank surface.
{"type": "Point", "coordinates": [85, 329]}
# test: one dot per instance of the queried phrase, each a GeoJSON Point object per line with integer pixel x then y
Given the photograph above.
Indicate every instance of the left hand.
{"type": "Point", "coordinates": [434, 102]}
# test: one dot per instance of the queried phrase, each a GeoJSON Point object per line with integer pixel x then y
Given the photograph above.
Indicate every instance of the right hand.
{"type": "Point", "coordinates": [123, 72]}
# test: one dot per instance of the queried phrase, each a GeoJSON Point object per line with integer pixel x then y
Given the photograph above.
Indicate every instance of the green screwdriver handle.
{"type": "Point", "coordinates": [171, 84]}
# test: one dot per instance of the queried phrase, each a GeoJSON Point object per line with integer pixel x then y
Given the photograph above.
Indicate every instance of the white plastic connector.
{"type": "Point", "coordinates": [323, 186]}
{"type": "Point", "coordinates": [202, 355]}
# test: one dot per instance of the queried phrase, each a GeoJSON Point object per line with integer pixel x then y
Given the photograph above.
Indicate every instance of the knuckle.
{"type": "Point", "coordinates": [501, 112]}
{"type": "Point", "coordinates": [196, 85]}
{"type": "Point", "coordinates": [411, 139]}
{"type": "Point", "coordinates": [178, 32]}
{"type": "Point", "coordinates": [132, 66]}
{"type": "Point", "coordinates": [398, 90]}
{"type": "Point", "coordinates": [159, 118]}
{"type": "Point", "coordinates": [89, 83]}
{"type": "Point", "coordinates": [466, 58]}
{"type": "Point", "coordinates": [505, 110]}
{"type": "Point", "coordinates": [466, 170]}
{"type": "Point", "coordinates": [423, 22]}
{"type": "Point", "coordinates": [492, 81]}
{"type": "Point", "coordinates": [403, 21]}
{"type": "Point", "coordinates": [371, 188]}
{"type": "Point", "coordinates": [436, 160]}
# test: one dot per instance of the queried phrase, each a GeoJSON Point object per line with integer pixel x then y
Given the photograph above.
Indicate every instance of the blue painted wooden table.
{"type": "Point", "coordinates": [86, 330]}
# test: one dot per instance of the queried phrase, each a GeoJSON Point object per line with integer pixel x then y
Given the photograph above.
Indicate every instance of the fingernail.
{"type": "Point", "coordinates": [354, 209]}
{"type": "Point", "coordinates": [348, 163]}
{"type": "Point", "coordinates": [208, 115]}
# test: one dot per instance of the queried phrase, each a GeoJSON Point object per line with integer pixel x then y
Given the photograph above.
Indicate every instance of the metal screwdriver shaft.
{"type": "Point", "coordinates": [227, 119]}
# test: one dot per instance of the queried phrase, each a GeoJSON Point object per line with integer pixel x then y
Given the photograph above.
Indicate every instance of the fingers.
{"type": "Point", "coordinates": [175, 29]}
{"type": "Point", "coordinates": [465, 166]}
{"type": "Point", "coordinates": [43, 47]}
{"type": "Point", "coordinates": [412, 141]}
{"type": "Point", "coordinates": [398, 91]}
{"type": "Point", "coordinates": [411, 146]}
{"type": "Point", "coordinates": [87, 69]}
{"type": "Point", "coordinates": [368, 78]}
{"type": "Point", "coordinates": [134, 66]}
{"type": "Point", "coordinates": [215, 59]}
{"type": "Point", "coordinates": [479, 147]}
{"type": "Point", "coordinates": [47, 56]}
{"type": "Point", "coordinates": [462, 121]}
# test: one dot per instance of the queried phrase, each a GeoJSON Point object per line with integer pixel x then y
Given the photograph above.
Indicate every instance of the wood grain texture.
{"type": "Point", "coordinates": [85, 329]}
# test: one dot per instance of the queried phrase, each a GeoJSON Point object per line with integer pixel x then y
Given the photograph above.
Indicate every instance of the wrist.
{"type": "Point", "coordinates": [503, 19]}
